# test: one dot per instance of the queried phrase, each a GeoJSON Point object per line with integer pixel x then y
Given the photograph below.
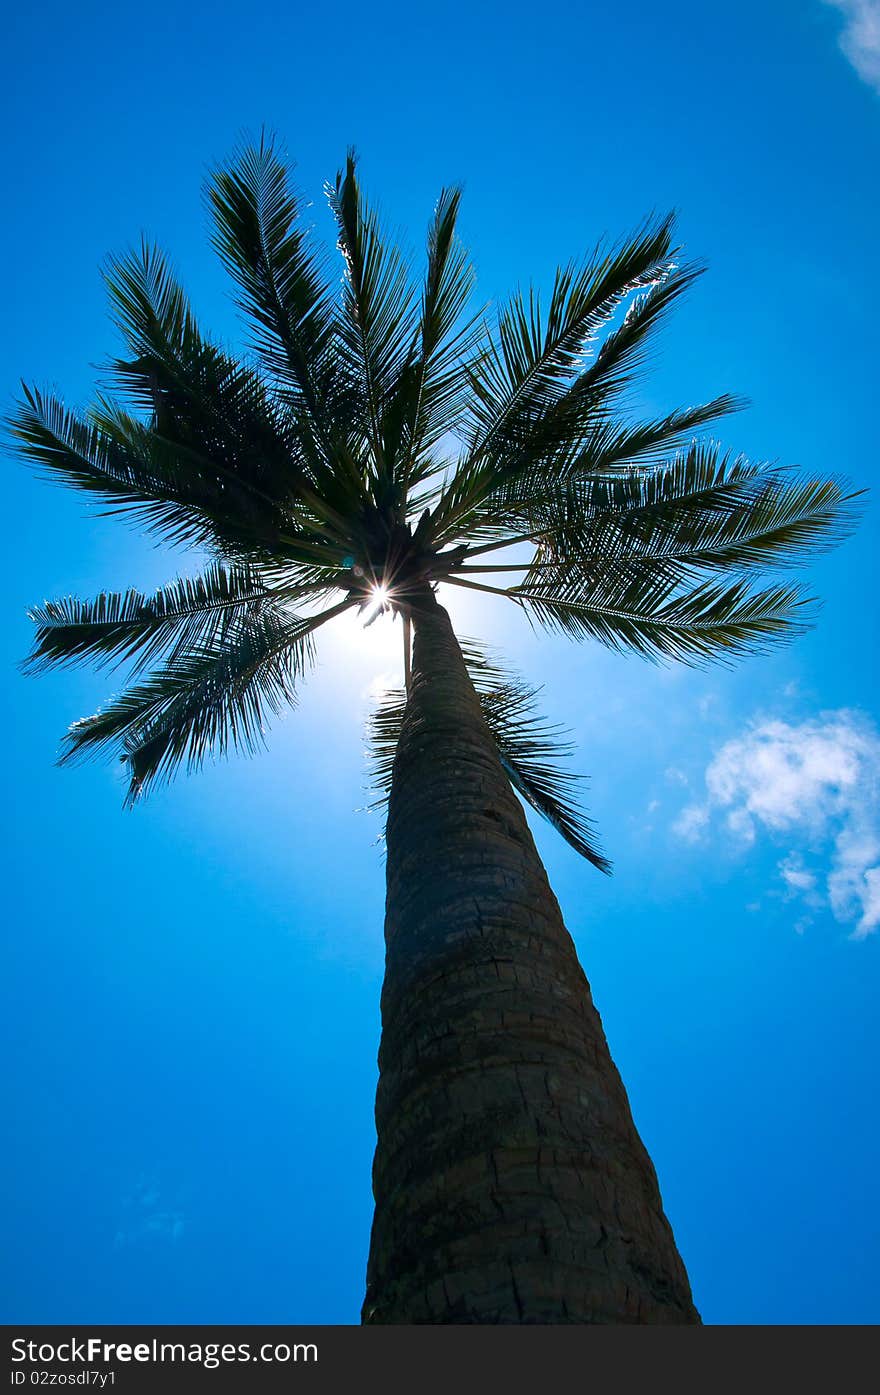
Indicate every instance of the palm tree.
{"type": "Point", "coordinates": [378, 442]}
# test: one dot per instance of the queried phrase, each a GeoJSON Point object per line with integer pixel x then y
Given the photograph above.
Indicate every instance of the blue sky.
{"type": "Point", "coordinates": [192, 988]}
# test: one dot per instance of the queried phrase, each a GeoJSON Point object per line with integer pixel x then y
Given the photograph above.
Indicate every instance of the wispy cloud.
{"type": "Point", "coordinates": [692, 822]}
{"type": "Point", "coordinates": [817, 783]}
{"type": "Point", "coordinates": [146, 1216]}
{"type": "Point", "coordinates": [860, 37]}
{"type": "Point", "coordinates": [379, 685]}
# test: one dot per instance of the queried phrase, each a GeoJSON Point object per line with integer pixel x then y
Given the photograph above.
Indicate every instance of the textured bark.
{"type": "Point", "coordinates": [511, 1185]}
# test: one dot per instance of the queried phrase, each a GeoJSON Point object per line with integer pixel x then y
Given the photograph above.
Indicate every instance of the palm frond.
{"type": "Point", "coordinates": [525, 374]}
{"type": "Point", "coordinates": [378, 323]}
{"type": "Point", "coordinates": [611, 447]}
{"type": "Point", "coordinates": [192, 613]}
{"type": "Point", "coordinates": [533, 360]}
{"type": "Point", "coordinates": [172, 371]}
{"type": "Point", "coordinates": [556, 463]}
{"type": "Point", "coordinates": [203, 401]}
{"type": "Point", "coordinates": [287, 295]}
{"type": "Point", "coordinates": [439, 388]}
{"type": "Point", "coordinates": [529, 747]}
{"type": "Point", "coordinates": [651, 615]}
{"type": "Point", "coordinates": [283, 282]}
{"type": "Point", "coordinates": [203, 701]}
{"type": "Point", "coordinates": [244, 517]}
{"type": "Point", "coordinates": [627, 347]}
{"type": "Point", "coordinates": [150, 306]}
{"type": "Point", "coordinates": [704, 511]}
{"type": "Point", "coordinates": [156, 487]}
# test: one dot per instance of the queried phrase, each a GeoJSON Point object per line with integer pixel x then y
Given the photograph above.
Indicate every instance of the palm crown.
{"type": "Point", "coordinates": [379, 439]}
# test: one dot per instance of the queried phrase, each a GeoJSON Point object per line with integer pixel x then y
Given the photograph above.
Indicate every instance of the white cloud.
{"type": "Point", "coordinates": [818, 782]}
{"type": "Point", "coordinates": [860, 37]}
{"type": "Point", "coordinates": [691, 823]}
{"type": "Point", "coordinates": [795, 875]}
{"type": "Point", "coordinates": [379, 685]}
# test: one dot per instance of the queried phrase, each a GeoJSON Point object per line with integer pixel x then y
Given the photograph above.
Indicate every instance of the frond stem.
{"type": "Point", "coordinates": [480, 586]}
{"type": "Point", "coordinates": [512, 567]}
{"type": "Point", "coordinates": [497, 546]}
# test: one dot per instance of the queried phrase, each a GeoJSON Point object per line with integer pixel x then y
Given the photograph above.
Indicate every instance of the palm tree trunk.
{"type": "Point", "coordinates": [511, 1185]}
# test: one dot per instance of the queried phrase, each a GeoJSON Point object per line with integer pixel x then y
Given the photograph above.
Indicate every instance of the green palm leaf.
{"type": "Point", "coordinates": [555, 459]}
{"type": "Point", "coordinates": [627, 347]}
{"type": "Point", "coordinates": [532, 360]}
{"type": "Point", "coordinates": [286, 293]}
{"type": "Point", "coordinates": [651, 615]}
{"type": "Point", "coordinates": [438, 392]}
{"type": "Point", "coordinates": [703, 511]}
{"type": "Point", "coordinates": [283, 282]}
{"type": "Point", "coordinates": [192, 613]}
{"type": "Point", "coordinates": [378, 324]}
{"type": "Point", "coordinates": [525, 370]}
{"type": "Point", "coordinates": [199, 397]}
{"type": "Point", "coordinates": [155, 486]}
{"type": "Point", "coordinates": [204, 700]}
